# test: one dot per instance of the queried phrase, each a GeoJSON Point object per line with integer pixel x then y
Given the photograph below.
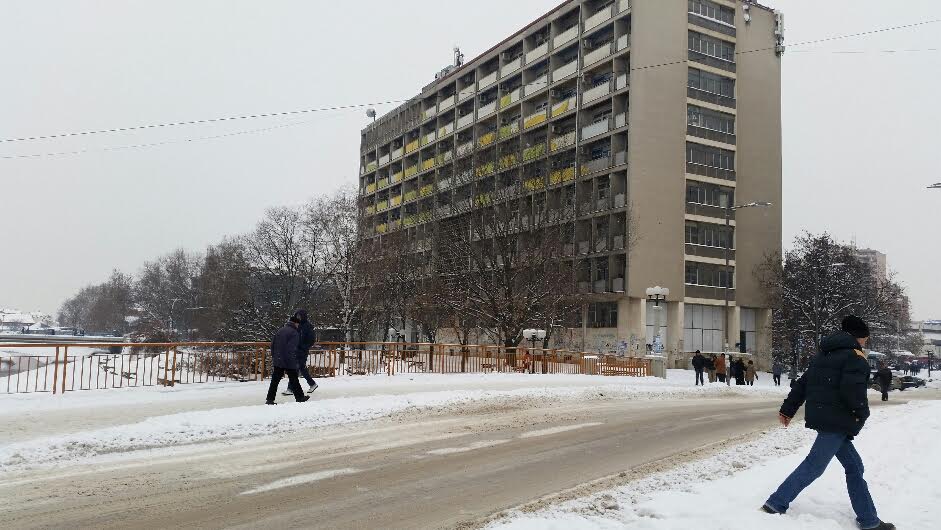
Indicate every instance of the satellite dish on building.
{"type": "Point", "coordinates": [371, 113]}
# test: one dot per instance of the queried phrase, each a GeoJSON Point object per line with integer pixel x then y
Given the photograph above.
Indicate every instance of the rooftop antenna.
{"type": "Point", "coordinates": [371, 113]}
{"type": "Point", "coordinates": [458, 56]}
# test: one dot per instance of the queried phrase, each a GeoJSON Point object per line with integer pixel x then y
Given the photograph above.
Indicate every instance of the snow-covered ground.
{"type": "Point", "coordinates": [78, 427]}
{"type": "Point", "coordinates": [899, 447]}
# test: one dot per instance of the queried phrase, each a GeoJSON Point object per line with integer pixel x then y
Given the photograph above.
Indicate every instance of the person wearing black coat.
{"type": "Point", "coordinates": [284, 358]}
{"type": "Point", "coordinates": [738, 369]}
{"type": "Point", "coordinates": [306, 340]}
{"type": "Point", "coordinates": [699, 363]}
{"type": "Point", "coordinates": [884, 375]}
{"type": "Point", "coordinates": [834, 388]}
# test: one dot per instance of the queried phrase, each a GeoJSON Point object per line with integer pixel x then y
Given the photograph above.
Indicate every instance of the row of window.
{"type": "Point", "coordinates": [712, 46]}
{"type": "Point", "coordinates": [710, 119]}
{"type": "Point", "coordinates": [708, 195]}
{"type": "Point", "coordinates": [706, 234]}
{"type": "Point", "coordinates": [712, 10]}
{"type": "Point", "coordinates": [705, 155]}
{"type": "Point", "coordinates": [710, 82]}
{"type": "Point", "coordinates": [707, 275]}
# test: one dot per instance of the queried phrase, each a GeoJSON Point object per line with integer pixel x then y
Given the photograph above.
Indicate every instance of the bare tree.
{"type": "Point", "coordinates": [165, 289]}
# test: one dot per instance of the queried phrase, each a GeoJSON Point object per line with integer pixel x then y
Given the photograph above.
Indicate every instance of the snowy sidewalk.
{"type": "Point", "coordinates": [898, 446]}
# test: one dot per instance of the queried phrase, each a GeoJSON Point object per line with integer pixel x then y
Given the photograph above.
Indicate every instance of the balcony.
{"type": "Point", "coordinates": [428, 164]}
{"type": "Point", "coordinates": [462, 205]}
{"type": "Point", "coordinates": [537, 52]}
{"type": "Point", "coordinates": [488, 80]}
{"type": "Point", "coordinates": [371, 166]}
{"type": "Point", "coordinates": [395, 178]}
{"type": "Point", "coordinates": [411, 171]}
{"type": "Point", "coordinates": [396, 201]}
{"type": "Point", "coordinates": [598, 54]}
{"type": "Point", "coordinates": [445, 157]}
{"type": "Point", "coordinates": [710, 97]}
{"type": "Point", "coordinates": [623, 43]}
{"type": "Point", "coordinates": [562, 107]}
{"type": "Point", "coordinates": [371, 209]}
{"type": "Point", "coordinates": [620, 120]}
{"type": "Point", "coordinates": [623, 5]}
{"type": "Point", "coordinates": [447, 103]}
{"type": "Point", "coordinates": [446, 130]}
{"type": "Point", "coordinates": [621, 82]}
{"type": "Point", "coordinates": [596, 92]}
{"type": "Point", "coordinates": [429, 113]}
{"type": "Point", "coordinates": [560, 142]}
{"type": "Point", "coordinates": [466, 93]}
{"type": "Point", "coordinates": [370, 188]}
{"type": "Point", "coordinates": [412, 146]}
{"type": "Point", "coordinates": [710, 171]}
{"type": "Point", "coordinates": [509, 129]}
{"type": "Point", "coordinates": [397, 153]}
{"type": "Point", "coordinates": [539, 84]}
{"type": "Point", "coordinates": [487, 139]}
{"type": "Point", "coordinates": [534, 120]}
{"type": "Point", "coordinates": [617, 242]}
{"type": "Point", "coordinates": [597, 128]}
{"type": "Point", "coordinates": [483, 199]}
{"type": "Point", "coordinates": [620, 199]}
{"type": "Point", "coordinates": [598, 18]}
{"type": "Point", "coordinates": [444, 184]}
{"type": "Point", "coordinates": [382, 205]}
{"type": "Point", "coordinates": [426, 190]}
{"type": "Point", "coordinates": [384, 159]}
{"type": "Point", "coordinates": [511, 66]}
{"type": "Point", "coordinates": [465, 148]}
{"type": "Point", "coordinates": [383, 183]}
{"type": "Point", "coordinates": [512, 97]}
{"type": "Point", "coordinates": [583, 247]}
{"type": "Point", "coordinates": [410, 195]}
{"type": "Point", "coordinates": [395, 224]}
{"type": "Point", "coordinates": [534, 152]}
{"type": "Point", "coordinates": [465, 120]}
{"type": "Point", "coordinates": [485, 169]}
{"type": "Point", "coordinates": [562, 175]}
{"type": "Point", "coordinates": [534, 184]}
{"type": "Point", "coordinates": [429, 138]}
{"type": "Point", "coordinates": [565, 37]}
{"type": "Point", "coordinates": [564, 71]}
{"type": "Point", "coordinates": [487, 110]}
{"type": "Point", "coordinates": [506, 192]}
{"type": "Point", "coordinates": [508, 161]}
{"type": "Point", "coordinates": [382, 228]}
{"type": "Point", "coordinates": [443, 210]}
{"type": "Point", "coordinates": [597, 164]}
{"type": "Point", "coordinates": [617, 285]}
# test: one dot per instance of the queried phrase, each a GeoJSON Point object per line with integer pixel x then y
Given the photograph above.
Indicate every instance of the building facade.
{"type": "Point", "coordinates": [876, 261]}
{"type": "Point", "coordinates": [659, 113]}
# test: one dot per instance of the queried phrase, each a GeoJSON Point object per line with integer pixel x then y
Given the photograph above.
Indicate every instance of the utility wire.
{"type": "Point", "coordinates": [361, 105]}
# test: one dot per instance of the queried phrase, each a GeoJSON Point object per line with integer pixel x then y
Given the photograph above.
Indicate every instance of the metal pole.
{"type": "Point", "coordinates": [726, 250]}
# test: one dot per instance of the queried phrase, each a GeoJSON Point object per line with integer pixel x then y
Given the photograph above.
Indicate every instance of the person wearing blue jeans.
{"type": "Point", "coordinates": [834, 388]}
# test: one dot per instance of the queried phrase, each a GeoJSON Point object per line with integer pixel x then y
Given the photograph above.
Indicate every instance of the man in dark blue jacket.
{"type": "Point", "coordinates": [306, 340]}
{"type": "Point", "coordinates": [284, 358]}
{"type": "Point", "coordinates": [834, 388]}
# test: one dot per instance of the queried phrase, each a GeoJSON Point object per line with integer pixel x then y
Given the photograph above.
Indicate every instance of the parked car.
{"type": "Point", "coordinates": [896, 383]}
{"type": "Point", "coordinates": [910, 381]}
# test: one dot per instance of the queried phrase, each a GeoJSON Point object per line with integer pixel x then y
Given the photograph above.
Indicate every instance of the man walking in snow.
{"type": "Point", "coordinates": [885, 380]}
{"type": "Point", "coordinates": [834, 387]}
{"type": "Point", "coordinates": [306, 340]}
{"type": "Point", "coordinates": [776, 370]}
{"type": "Point", "coordinates": [721, 368]}
{"type": "Point", "coordinates": [284, 358]}
{"type": "Point", "coordinates": [699, 363]}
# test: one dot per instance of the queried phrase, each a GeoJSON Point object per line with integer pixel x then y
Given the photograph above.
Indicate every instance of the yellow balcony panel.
{"type": "Point", "coordinates": [411, 146]}
{"type": "Point", "coordinates": [370, 187]}
{"type": "Point", "coordinates": [534, 152]}
{"type": "Point", "coordinates": [507, 161]}
{"type": "Point", "coordinates": [396, 201]}
{"type": "Point", "coordinates": [428, 164]}
{"type": "Point", "coordinates": [371, 166]}
{"type": "Point", "coordinates": [383, 205]}
{"type": "Point", "coordinates": [485, 169]}
{"type": "Point", "coordinates": [424, 217]}
{"type": "Point", "coordinates": [486, 139]}
{"type": "Point", "coordinates": [555, 178]}
{"type": "Point", "coordinates": [411, 195]}
{"type": "Point", "coordinates": [561, 108]}
{"type": "Point", "coordinates": [382, 229]}
{"type": "Point", "coordinates": [483, 199]}
{"type": "Point", "coordinates": [411, 171]}
{"type": "Point", "coordinates": [371, 209]}
{"type": "Point", "coordinates": [383, 183]}
{"type": "Point", "coordinates": [535, 120]}
{"type": "Point", "coordinates": [396, 178]}
{"type": "Point", "coordinates": [534, 184]}
{"type": "Point", "coordinates": [427, 189]}
{"type": "Point", "coordinates": [410, 220]}
{"type": "Point", "coordinates": [568, 174]}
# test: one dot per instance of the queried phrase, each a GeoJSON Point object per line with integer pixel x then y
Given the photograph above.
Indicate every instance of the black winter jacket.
{"type": "Point", "coordinates": [284, 347]}
{"type": "Point", "coordinates": [699, 362]}
{"type": "Point", "coordinates": [885, 377]}
{"type": "Point", "coordinates": [307, 338]}
{"type": "Point", "coordinates": [834, 388]}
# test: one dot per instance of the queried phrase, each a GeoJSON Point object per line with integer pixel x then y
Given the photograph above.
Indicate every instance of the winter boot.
{"type": "Point", "coordinates": [767, 509]}
{"type": "Point", "coordinates": [303, 399]}
{"type": "Point", "coordinates": [883, 526]}
{"type": "Point", "coordinates": [270, 403]}
{"type": "Point", "coordinates": [312, 388]}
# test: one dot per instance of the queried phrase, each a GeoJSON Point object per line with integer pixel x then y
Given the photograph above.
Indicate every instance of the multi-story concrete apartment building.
{"type": "Point", "coordinates": [668, 108]}
{"type": "Point", "coordinates": [876, 260]}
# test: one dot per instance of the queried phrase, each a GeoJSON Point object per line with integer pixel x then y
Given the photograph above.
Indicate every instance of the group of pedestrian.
{"type": "Point", "coordinates": [743, 373]}
{"type": "Point", "coordinates": [913, 369]}
{"type": "Point", "coordinates": [289, 351]}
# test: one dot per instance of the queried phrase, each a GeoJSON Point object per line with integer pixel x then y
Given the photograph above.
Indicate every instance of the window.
{"type": "Point", "coordinates": [710, 82]}
{"type": "Point", "coordinates": [704, 155]}
{"type": "Point", "coordinates": [706, 234]}
{"type": "Point", "coordinates": [708, 275]}
{"type": "Point", "coordinates": [603, 315]}
{"type": "Point", "coordinates": [708, 195]}
{"type": "Point", "coordinates": [710, 119]}
{"type": "Point", "coordinates": [707, 9]}
{"type": "Point", "coordinates": [712, 46]}
{"type": "Point", "coordinates": [703, 327]}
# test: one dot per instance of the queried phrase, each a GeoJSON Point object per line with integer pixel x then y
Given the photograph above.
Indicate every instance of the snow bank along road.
{"type": "Point", "coordinates": [418, 458]}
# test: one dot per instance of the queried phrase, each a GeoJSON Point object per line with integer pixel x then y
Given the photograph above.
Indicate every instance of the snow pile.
{"type": "Point", "coordinates": [161, 431]}
{"type": "Point", "coordinates": [725, 490]}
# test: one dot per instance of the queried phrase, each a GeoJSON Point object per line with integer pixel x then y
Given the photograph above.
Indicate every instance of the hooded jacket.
{"type": "Point", "coordinates": [284, 347]}
{"type": "Point", "coordinates": [833, 387]}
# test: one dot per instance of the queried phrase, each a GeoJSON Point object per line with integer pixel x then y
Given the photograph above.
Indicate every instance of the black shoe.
{"type": "Point", "coordinates": [767, 509]}
{"type": "Point", "coordinates": [287, 392]}
{"type": "Point", "coordinates": [303, 399]}
{"type": "Point", "coordinates": [270, 403]}
{"type": "Point", "coordinates": [312, 388]}
{"type": "Point", "coordinates": [883, 526]}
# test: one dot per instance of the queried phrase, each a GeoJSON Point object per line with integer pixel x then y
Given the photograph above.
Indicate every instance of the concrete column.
{"type": "Point", "coordinates": [584, 326]}
{"type": "Point", "coordinates": [637, 336]}
{"type": "Point", "coordinates": [674, 337]}
{"type": "Point", "coordinates": [733, 334]}
{"type": "Point", "coordinates": [624, 321]}
{"type": "Point", "coordinates": [764, 338]}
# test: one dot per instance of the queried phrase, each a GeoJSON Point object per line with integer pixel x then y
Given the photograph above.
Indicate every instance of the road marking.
{"type": "Point", "coordinates": [557, 430]}
{"type": "Point", "coordinates": [472, 447]}
{"type": "Point", "coordinates": [302, 479]}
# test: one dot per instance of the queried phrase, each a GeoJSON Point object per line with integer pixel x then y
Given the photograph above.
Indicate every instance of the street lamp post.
{"type": "Point", "coordinates": [534, 336]}
{"type": "Point", "coordinates": [930, 354]}
{"type": "Point", "coordinates": [658, 365]}
{"type": "Point", "coordinates": [727, 248]}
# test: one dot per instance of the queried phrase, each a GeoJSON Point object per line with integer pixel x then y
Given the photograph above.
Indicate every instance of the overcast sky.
{"type": "Point", "coordinates": [861, 137]}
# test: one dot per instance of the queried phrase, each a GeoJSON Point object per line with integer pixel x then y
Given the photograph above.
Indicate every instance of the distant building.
{"type": "Point", "coordinates": [15, 321]}
{"type": "Point", "coordinates": [931, 329]}
{"type": "Point", "coordinates": [876, 260]}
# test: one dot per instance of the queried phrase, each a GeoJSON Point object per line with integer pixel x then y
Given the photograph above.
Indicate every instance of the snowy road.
{"type": "Point", "coordinates": [408, 471]}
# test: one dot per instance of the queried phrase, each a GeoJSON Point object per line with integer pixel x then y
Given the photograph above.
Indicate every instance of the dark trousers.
{"type": "Point", "coordinates": [721, 377]}
{"type": "Point", "coordinates": [777, 380]}
{"type": "Point", "coordinates": [739, 380]}
{"type": "Point", "coordinates": [885, 392]}
{"type": "Point", "coordinates": [302, 372]}
{"type": "Point", "coordinates": [276, 378]}
{"type": "Point", "coordinates": [699, 378]}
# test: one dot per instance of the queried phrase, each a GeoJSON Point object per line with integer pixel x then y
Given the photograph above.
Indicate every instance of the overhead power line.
{"type": "Point", "coordinates": [364, 105]}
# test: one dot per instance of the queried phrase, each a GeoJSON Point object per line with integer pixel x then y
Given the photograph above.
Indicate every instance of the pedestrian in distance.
{"type": "Point", "coordinates": [751, 373]}
{"type": "Point", "coordinates": [739, 370]}
{"type": "Point", "coordinates": [307, 339]}
{"type": "Point", "coordinates": [884, 375]}
{"type": "Point", "coordinates": [711, 367]}
{"type": "Point", "coordinates": [284, 358]}
{"type": "Point", "coordinates": [777, 369]}
{"type": "Point", "coordinates": [721, 369]}
{"type": "Point", "coordinates": [699, 364]}
{"type": "Point", "coordinates": [834, 388]}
